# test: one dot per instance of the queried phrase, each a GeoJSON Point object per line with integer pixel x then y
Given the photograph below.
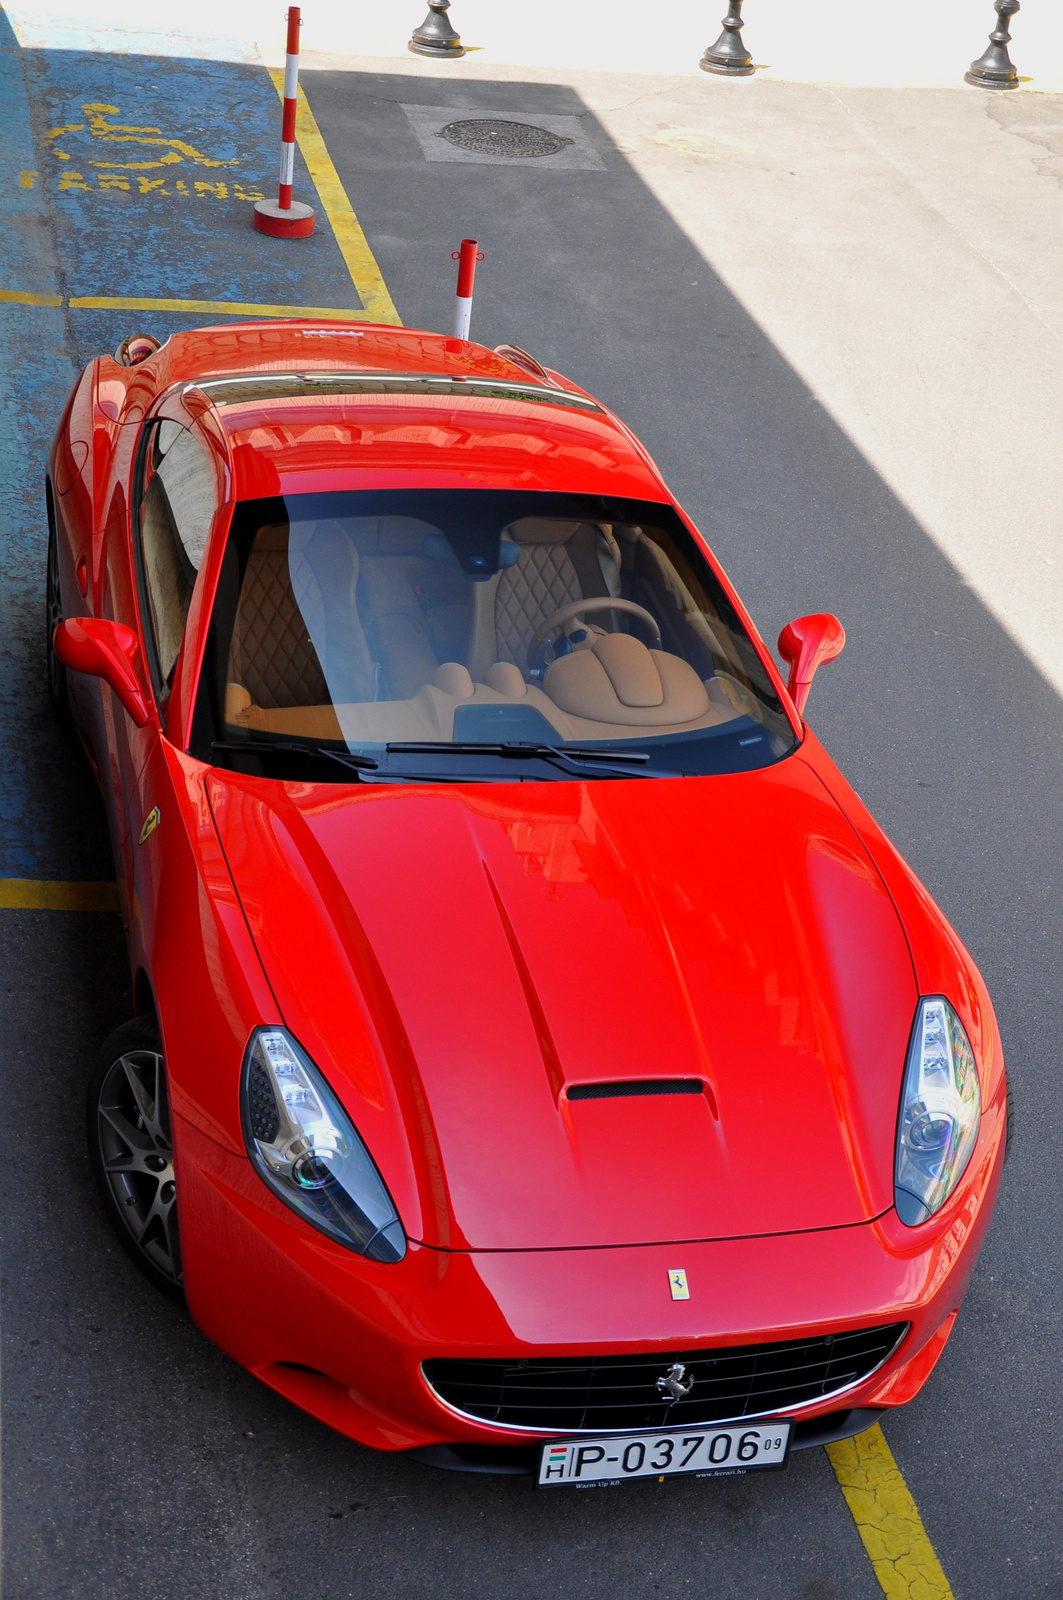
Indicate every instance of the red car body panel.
{"type": "Point", "coordinates": [367, 1328]}
{"type": "Point", "coordinates": [455, 959]}
{"type": "Point", "coordinates": [531, 936]}
{"type": "Point", "coordinates": [394, 434]}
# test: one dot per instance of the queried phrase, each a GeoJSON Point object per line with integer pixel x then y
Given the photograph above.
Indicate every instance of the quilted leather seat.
{"type": "Point", "coordinates": [559, 562]}
{"type": "Point", "coordinates": [295, 607]}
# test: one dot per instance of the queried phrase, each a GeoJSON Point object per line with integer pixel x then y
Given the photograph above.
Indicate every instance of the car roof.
{"type": "Point", "coordinates": [311, 406]}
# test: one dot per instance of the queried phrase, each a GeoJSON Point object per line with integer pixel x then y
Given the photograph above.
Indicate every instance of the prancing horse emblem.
{"type": "Point", "coordinates": [675, 1382]}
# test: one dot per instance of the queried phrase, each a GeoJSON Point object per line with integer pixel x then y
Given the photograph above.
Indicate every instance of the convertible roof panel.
{"type": "Point", "coordinates": [319, 405]}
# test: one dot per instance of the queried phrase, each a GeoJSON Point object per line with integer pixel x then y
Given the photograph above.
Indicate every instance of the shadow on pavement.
{"type": "Point", "coordinates": [160, 1469]}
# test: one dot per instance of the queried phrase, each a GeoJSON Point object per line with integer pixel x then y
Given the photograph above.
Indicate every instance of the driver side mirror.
{"type": "Point", "coordinates": [106, 650]}
{"type": "Point", "coordinates": [806, 644]}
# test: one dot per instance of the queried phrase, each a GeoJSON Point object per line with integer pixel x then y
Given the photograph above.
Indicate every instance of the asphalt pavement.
{"type": "Point", "coordinates": [137, 1459]}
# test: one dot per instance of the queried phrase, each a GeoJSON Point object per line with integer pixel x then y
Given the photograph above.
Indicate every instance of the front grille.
{"type": "Point", "coordinates": [620, 1392]}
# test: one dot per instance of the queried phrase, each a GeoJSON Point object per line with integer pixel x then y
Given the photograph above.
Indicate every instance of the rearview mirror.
{"type": "Point", "coordinates": [806, 644]}
{"type": "Point", "coordinates": [106, 650]}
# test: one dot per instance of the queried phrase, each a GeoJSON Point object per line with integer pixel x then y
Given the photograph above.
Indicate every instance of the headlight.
{"type": "Point", "coordinates": [940, 1110]}
{"type": "Point", "coordinates": [305, 1147]}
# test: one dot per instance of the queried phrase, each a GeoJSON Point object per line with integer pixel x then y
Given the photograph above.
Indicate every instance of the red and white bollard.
{"type": "Point", "coordinates": [287, 218]}
{"type": "Point", "coordinates": [466, 257]}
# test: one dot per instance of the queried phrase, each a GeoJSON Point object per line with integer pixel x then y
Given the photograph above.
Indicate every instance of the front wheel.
{"type": "Point", "coordinates": [131, 1150]}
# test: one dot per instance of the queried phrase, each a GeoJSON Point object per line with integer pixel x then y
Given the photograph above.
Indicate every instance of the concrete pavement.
{"type": "Point", "coordinates": [896, 233]}
{"type": "Point", "coordinates": [874, 43]}
{"type": "Point", "coordinates": [902, 249]}
{"type": "Point", "coordinates": [746, 277]}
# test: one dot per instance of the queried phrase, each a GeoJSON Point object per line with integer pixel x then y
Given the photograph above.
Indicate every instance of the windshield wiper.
{"type": "Point", "coordinates": [602, 763]}
{"type": "Point", "coordinates": [356, 764]}
{"type": "Point", "coordinates": [579, 762]}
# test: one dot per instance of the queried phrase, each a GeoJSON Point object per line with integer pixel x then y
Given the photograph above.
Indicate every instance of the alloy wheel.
{"type": "Point", "coordinates": [132, 1153]}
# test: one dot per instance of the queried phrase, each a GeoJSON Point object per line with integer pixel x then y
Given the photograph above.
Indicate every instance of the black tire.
{"type": "Point", "coordinates": [57, 694]}
{"type": "Point", "coordinates": [131, 1150]}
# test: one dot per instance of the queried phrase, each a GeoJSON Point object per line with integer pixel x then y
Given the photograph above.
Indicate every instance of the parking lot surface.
{"type": "Point", "coordinates": [138, 1460]}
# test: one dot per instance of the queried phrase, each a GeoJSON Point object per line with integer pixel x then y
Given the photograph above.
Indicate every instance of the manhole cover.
{"type": "Point", "coordinates": [492, 136]}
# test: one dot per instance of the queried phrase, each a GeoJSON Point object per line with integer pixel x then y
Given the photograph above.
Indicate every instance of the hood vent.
{"type": "Point", "coordinates": [625, 1087]}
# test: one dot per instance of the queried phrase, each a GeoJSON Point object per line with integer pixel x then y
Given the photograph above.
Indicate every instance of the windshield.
{"type": "Point", "coordinates": [457, 634]}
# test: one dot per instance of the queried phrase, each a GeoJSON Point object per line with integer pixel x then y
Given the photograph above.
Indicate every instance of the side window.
{"type": "Point", "coordinates": [177, 504]}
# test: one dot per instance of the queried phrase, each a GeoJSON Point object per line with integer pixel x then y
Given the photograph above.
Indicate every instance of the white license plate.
{"type": "Point", "coordinates": [686, 1452]}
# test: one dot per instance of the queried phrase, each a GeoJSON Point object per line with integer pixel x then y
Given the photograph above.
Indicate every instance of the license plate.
{"type": "Point", "coordinates": [687, 1452]}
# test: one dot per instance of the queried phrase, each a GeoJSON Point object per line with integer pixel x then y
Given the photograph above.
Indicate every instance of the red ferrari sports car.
{"type": "Point", "coordinates": [542, 1060]}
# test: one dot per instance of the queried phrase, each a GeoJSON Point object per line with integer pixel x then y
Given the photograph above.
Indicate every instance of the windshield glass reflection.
{"type": "Point", "coordinates": [477, 619]}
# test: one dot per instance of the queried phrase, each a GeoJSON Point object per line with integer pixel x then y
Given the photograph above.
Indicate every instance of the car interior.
{"type": "Point", "coordinates": [369, 630]}
{"type": "Point", "coordinates": [176, 510]}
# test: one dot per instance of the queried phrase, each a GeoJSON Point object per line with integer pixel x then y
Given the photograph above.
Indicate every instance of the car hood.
{"type": "Point", "coordinates": [457, 958]}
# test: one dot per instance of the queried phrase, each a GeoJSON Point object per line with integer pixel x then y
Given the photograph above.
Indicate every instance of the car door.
{"type": "Point", "coordinates": [175, 495]}
{"type": "Point", "coordinates": [71, 484]}
{"type": "Point", "coordinates": [105, 585]}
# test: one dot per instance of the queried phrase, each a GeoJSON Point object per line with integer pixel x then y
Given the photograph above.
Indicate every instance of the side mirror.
{"type": "Point", "coordinates": [808, 643]}
{"type": "Point", "coordinates": [106, 650]}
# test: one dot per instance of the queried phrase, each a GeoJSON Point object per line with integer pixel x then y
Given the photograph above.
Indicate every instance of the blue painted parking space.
{"type": "Point", "coordinates": [130, 180]}
{"type": "Point", "coordinates": [149, 170]}
{"type": "Point", "coordinates": [50, 821]}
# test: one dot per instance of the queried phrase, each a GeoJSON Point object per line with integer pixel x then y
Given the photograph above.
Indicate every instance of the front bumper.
{"type": "Point", "coordinates": [344, 1337]}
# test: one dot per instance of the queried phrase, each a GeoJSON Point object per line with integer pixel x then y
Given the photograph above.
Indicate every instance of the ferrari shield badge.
{"type": "Point", "coordinates": [151, 822]}
{"type": "Point", "coordinates": [677, 1282]}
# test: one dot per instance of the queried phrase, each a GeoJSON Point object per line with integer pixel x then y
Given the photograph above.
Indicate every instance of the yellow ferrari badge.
{"type": "Point", "coordinates": [677, 1282]}
{"type": "Point", "coordinates": [151, 822]}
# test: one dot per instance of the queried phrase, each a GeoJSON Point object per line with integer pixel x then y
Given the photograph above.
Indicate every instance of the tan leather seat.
{"type": "Point", "coordinates": [276, 636]}
{"type": "Point", "coordinates": [414, 609]}
{"type": "Point", "coordinates": [559, 562]}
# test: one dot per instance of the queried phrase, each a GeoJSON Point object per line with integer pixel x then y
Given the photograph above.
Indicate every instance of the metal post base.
{"type": "Point", "coordinates": [437, 36]}
{"type": "Point", "coordinates": [729, 56]}
{"type": "Point", "coordinates": [994, 69]}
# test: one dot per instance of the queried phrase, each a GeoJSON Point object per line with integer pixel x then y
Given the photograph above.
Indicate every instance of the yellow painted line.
{"type": "Point", "coordinates": [20, 297]}
{"type": "Point", "coordinates": [887, 1518]}
{"type": "Point", "coordinates": [219, 308]}
{"type": "Point", "coordinates": [45, 894]}
{"type": "Point", "coordinates": [354, 246]}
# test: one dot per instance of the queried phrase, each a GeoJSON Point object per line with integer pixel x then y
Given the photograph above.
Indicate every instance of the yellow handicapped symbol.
{"type": "Point", "coordinates": [110, 173]}
{"type": "Point", "coordinates": [178, 150]}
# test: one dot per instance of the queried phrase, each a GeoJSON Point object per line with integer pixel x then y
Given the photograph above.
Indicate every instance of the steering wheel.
{"type": "Point", "coordinates": [577, 609]}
